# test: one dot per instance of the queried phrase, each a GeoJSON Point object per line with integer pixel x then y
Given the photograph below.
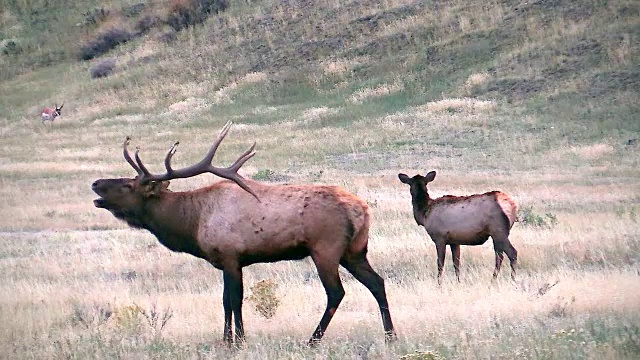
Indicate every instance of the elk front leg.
{"type": "Point", "coordinates": [441, 251]}
{"type": "Point", "coordinates": [232, 302]}
{"type": "Point", "coordinates": [226, 304]}
{"type": "Point", "coordinates": [455, 254]}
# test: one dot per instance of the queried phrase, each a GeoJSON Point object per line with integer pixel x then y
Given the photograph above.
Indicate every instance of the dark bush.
{"type": "Point", "coordinates": [104, 42]}
{"type": "Point", "coordinates": [210, 6]}
{"type": "Point", "coordinates": [95, 16]}
{"type": "Point", "coordinates": [133, 10]}
{"type": "Point", "coordinates": [10, 47]}
{"type": "Point", "coordinates": [185, 13]}
{"type": "Point", "coordinates": [146, 23]}
{"type": "Point", "coordinates": [168, 36]}
{"type": "Point", "coordinates": [103, 68]}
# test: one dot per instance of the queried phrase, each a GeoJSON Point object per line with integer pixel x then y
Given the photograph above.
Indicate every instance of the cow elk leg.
{"type": "Point", "coordinates": [455, 254]}
{"type": "Point", "coordinates": [441, 250]}
{"type": "Point", "coordinates": [512, 253]}
{"type": "Point", "coordinates": [499, 257]}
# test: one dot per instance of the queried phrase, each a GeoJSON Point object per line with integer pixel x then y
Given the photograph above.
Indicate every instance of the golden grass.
{"type": "Point", "coordinates": [223, 95]}
{"type": "Point", "coordinates": [476, 79]}
{"type": "Point", "coordinates": [455, 104]}
{"type": "Point", "coordinates": [376, 92]}
{"type": "Point", "coordinates": [53, 272]}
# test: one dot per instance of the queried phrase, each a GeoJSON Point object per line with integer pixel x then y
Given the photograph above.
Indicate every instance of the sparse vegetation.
{"type": "Point", "coordinates": [536, 98]}
{"type": "Point", "coordinates": [269, 176]}
{"type": "Point", "coordinates": [529, 217]}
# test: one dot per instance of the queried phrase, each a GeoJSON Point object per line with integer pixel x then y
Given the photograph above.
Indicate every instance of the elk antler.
{"type": "Point", "coordinates": [203, 166]}
{"type": "Point", "coordinates": [127, 157]}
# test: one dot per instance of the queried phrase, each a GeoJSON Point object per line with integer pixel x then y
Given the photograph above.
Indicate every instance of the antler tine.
{"type": "Point", "coordinates": [238, 180]}
{"type": "Point", "coordinates": [248, 154]}
{"type": "Point", "coordinates": [143, 168]}
{"type": "Point", "coordinates": [127, 156]}
{"type": "Point", "coordinates": [167, 159]}
{"type": "Point", "coordinates": [212, 151]}
{"type": "Point", "coordinates": [231, 172]}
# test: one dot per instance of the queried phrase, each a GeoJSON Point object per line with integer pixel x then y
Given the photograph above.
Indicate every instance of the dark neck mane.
{"type": "Point", "coordinates": [421, 202]}
{"type": "Point", "coordinates": [172, 218]}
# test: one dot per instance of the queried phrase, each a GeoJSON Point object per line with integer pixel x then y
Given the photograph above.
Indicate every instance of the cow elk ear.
{"type": "Point", "coordinates": [404, 178]}
{"type": "Point", "coordinates": [430, 176]}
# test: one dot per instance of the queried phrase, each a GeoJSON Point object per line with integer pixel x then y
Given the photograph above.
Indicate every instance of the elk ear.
{"type": "Point", "coordinates": [155, 188]}
{"type": "Point", "coordinates": [430, 176]}
{"type": "Point", "coordinates": [404, 178]}
{"type": "Point", "coordinates": [160, 186]}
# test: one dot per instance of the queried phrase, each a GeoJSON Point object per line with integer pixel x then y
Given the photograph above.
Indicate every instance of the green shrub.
{"type": "Point", "coordinates": [529, 217]}
{"type": "Point", "coordinates": [263, 296]}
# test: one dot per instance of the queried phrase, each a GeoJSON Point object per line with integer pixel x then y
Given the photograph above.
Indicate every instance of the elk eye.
{"type": "Point", "coordinates": [127, 187]}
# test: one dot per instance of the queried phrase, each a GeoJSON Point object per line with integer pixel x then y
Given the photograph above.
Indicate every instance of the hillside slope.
{"type": "Point", "coordinates": [563, 60]}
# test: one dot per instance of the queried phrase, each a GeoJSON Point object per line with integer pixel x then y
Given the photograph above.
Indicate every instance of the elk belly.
{"type": "Point", "coordinates": [478, 239]}
{"type": "Point", "coordinates": [466, 237]}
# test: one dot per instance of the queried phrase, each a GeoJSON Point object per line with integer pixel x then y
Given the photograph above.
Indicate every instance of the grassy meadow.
{"type": "Point", "coordinates": [537, 99]}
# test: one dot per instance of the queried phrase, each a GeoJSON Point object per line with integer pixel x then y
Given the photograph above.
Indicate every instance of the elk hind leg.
{"type": "Point", "coordinates": [512, 254]}
{"type": "Point", "coordinates": [499, 257]}
{"type": "Point", "coordinates": [328, 272]}
{"type": "Point", "coordinates": [455, 254]}
{"type": "Point", "coordinates": [360, 268]}
{"type": "Point", "coordinates": [441, 251]}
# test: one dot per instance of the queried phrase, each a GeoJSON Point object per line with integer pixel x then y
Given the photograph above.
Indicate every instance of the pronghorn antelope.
{"type": "Point", "coordinates": [51, 113]}
{"type": "Point", "coordinates": [233, 224]}
{"type": "Point", "coordinates": [464, 220]}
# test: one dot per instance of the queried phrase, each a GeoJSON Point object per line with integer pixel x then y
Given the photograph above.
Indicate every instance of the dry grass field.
{"type": "Point", "coordinates": [490, 97]}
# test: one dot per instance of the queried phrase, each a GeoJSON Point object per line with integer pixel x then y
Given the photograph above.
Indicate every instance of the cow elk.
{"type": "Point", "coordinates": [464, 220]}
{"type": "Point", "coordinates": [51, 113]}
{"type": "Point", "coordinates": [233, 224]}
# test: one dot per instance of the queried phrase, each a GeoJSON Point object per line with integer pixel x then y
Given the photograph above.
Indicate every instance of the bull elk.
{"type": "Point", "coordinates": [51, 113]}
{"type": "Point", "coordinates": [464, 220]}
{"type": "Point", "coordinates": [233, 224]}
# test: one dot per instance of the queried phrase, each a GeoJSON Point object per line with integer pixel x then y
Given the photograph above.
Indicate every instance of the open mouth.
{"type": "Point", "coordinates": [100, 203]}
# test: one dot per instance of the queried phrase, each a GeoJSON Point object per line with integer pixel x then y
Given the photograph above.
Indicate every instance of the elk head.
{"type": "Point", "coordinates": [418, 184]}
{"type": "Point", "coordinates": [125, 198]}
